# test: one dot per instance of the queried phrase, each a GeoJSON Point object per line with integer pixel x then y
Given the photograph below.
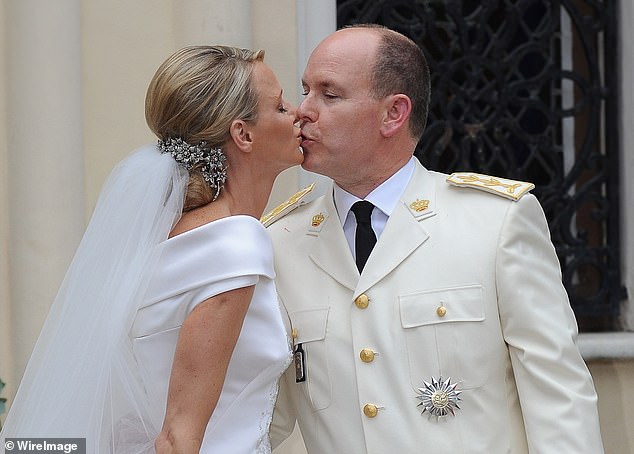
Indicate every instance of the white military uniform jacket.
{"type": "Point", "coordinates": [463, 285]}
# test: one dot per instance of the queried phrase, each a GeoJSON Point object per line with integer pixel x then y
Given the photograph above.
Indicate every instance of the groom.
{"type": "Point", "coordinates": [452, 332]}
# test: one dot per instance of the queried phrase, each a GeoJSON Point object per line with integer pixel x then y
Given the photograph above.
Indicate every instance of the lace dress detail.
{"type": "Point", "coordinates": [264, 443]}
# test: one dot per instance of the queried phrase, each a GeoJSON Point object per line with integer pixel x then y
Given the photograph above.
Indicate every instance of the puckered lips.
{"type": "Point", "coordinates": [307, 139]}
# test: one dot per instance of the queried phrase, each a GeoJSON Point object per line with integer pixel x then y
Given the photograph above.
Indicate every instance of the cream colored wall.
{"type": "Point", "coordinates": [123, 43]}
{"type": "Point", "coordinates": [6, 374]}
{"type": "Point", "coordinates": [43, 188]}
{"type": "Point", "coordinates": [626, 42]}
{"type": "Point", "coordinates": [614, 382]}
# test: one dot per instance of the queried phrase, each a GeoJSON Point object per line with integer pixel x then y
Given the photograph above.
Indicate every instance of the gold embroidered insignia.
{"type": "Point", "coordinates": [510, 189]}
{"type": "Point", "coordinates": [419, 205]}
{"type": "Point", "coordinates": [317, 219]}
{"type": "Point", "coordinates": [285, 207]}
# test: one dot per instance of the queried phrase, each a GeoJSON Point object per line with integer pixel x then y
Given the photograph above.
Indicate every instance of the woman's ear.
{"type": "Point", "coordinates": [397, 111]}
{"type": "Point", "coordinates": [241, 135]}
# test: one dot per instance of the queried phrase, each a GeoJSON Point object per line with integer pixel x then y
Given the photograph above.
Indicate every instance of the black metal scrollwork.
{"type": "Point", "coordinates": [527, 89]}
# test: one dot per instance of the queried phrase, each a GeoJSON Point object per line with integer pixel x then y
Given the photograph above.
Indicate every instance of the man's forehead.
{"type": "Point", "coordinates": [336, 67]}
{"type": "Point", "coordinates": [327, 72]}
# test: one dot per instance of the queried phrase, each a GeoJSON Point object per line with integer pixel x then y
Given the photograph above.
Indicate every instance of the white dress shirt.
{"type": "Point", "coordinates": [384, 197]}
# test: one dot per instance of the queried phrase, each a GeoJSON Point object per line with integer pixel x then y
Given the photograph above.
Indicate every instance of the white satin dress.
{"type": "Point", "coordinates": [226, 254]}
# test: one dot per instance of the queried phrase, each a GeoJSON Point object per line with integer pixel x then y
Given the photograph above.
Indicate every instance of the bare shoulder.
{"type": "Point", "coordinates": [199, 217]}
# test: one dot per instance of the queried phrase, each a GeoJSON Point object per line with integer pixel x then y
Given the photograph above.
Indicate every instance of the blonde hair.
{"type": "Point", "coordinates": [195, 95]}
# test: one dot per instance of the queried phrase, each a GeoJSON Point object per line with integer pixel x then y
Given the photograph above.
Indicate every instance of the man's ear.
{"type": "Point", "coordinates": [397, 111]}
{"type": "Point", "coordinates": [241, 135]}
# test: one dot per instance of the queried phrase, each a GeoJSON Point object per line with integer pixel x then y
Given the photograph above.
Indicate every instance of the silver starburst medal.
{"type": "Point", "coordinates": [439, 398]}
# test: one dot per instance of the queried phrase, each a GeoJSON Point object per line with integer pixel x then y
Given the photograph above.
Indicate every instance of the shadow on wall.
{"type": "Point", "coordinates": [3, 401]}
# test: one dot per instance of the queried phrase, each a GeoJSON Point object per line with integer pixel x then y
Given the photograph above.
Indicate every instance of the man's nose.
{"type": "Point", "coordinates": [306, 111]}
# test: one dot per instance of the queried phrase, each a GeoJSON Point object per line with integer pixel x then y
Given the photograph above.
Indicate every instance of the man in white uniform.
{"type": "Point", "coordinates": [452, 332]}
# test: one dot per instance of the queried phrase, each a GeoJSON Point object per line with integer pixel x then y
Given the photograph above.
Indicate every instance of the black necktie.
{"type": "Point", "coordinates": [364, 239]}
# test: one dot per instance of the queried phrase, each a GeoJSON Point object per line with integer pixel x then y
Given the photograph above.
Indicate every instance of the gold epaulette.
{"type": "Point", "coordinates": [286, 207]}
{"type": "Point", "coordinates": [510, 189]}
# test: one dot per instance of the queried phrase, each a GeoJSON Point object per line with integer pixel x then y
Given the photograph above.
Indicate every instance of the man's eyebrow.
{"type": "Point", "coordinates": [323, 84]}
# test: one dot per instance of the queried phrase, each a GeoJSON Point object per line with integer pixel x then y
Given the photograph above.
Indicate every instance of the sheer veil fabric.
{"type": "Point", "coordinates": [82, 380]}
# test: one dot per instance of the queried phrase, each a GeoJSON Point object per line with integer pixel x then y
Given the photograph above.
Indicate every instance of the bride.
{"type": "Point", "coordinates": [166, 333]}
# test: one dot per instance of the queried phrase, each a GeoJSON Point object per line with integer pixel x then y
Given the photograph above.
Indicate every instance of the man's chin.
{"type": "Point", "coordinates": [308, 164]}
{"type": "Point", "coordinates": [309, 167]}
{"type": "Point", "coordinates": [311, 164]}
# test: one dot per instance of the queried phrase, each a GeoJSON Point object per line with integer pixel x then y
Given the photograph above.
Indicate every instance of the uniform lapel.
{"type": "Point", "coordinates": [331, 252]}
{"type": "Point", "coordinates": [404, 231]}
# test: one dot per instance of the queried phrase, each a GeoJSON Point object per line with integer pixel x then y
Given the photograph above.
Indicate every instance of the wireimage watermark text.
{"type": "Point", "coordinates": [45, 445]}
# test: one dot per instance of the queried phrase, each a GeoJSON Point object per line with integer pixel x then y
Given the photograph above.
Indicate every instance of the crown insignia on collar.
{"type": "Point", "coordinates": [317, 219]}
{"type": "Point", "coordinates": [419, 205]}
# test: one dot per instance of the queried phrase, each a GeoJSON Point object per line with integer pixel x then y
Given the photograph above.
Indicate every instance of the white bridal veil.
{"type": "Point", "coordinates": [81, 380]}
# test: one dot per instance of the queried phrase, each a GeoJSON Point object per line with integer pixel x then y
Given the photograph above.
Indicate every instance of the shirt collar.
{"type": "Point", "coordinates": [384, 197]}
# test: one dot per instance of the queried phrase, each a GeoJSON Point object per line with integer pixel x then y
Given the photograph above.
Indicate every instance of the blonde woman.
{"type": "Point", "coordinates": [166, 334]}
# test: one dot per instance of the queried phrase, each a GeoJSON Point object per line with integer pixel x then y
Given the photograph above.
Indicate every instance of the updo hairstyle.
{"type": "Point", "coordinates": [195, 95]}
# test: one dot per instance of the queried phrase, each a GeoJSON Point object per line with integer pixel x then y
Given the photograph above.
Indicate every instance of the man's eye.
{"type": "Point", "coordinates": [282, 109]}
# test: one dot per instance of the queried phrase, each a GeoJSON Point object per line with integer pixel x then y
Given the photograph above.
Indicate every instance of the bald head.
{"type": "Point", "coordinates": [357, 108]}
{"type": "Point", "coordinates": [348, 51]}
{"type": "Point", "coordinates": [394, 63]}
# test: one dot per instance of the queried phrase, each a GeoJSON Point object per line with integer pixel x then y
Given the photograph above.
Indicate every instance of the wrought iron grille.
{"type": "Point", "coordinates": [527, 89]}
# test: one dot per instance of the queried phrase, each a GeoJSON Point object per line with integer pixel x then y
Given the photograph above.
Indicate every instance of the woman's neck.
{"type": "Point", "coordinates": [246, 191]}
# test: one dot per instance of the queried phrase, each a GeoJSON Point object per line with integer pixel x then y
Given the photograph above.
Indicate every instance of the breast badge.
{"type": "Point", "coordinates": [439, 398]}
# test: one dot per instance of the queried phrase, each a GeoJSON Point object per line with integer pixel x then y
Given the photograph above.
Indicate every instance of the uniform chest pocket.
{"type": "Point", "coordinates": [310, 327]}
{"type": "Point", "coordinates": [445, 333]}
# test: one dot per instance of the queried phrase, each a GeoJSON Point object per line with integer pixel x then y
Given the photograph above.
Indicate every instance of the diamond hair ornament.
{"type": "Point", "coordinates": [213, 160]}
{"type": "Point", "coordinates": [439, 398]}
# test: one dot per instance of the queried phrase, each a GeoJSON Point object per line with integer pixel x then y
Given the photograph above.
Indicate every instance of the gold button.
{"type": "Point", "coordinates": [441, 311]}
{"type": "Point", "coordinates": [366, 355]}
{"type": "Point", "coordinates": [294, 333]}
{"type": "Point", "coordinates": [362, 301]}
{"type": "Point", "coordinates": [370, 410]}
